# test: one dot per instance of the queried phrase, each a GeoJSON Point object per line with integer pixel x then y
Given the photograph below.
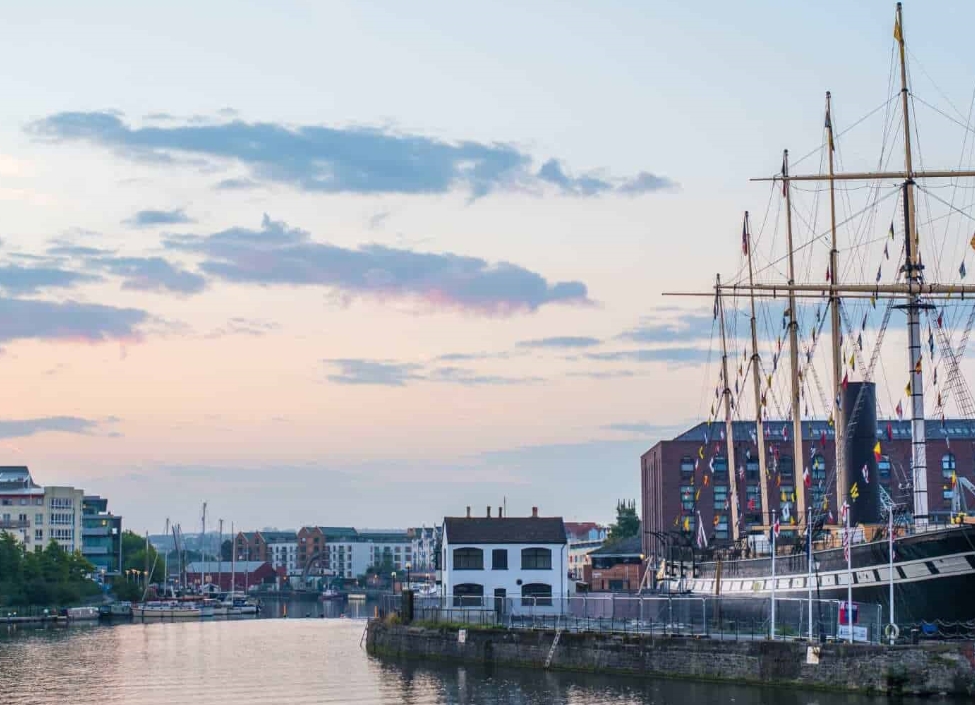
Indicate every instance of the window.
{"type": "Point", "coordinates": [38, 535]}
{"type": "Point", "coordinates": [468, 594]}
{"type": "Point", "coordinates": [536, 594]}
{"type": "Point", "coordinates": [536, 559]}
{"type": "Point", "coordinates": [38, 520]}
{"type": "Point", "coordinates": [948, 465]}
{"type": "Point", "coordinates": [787, 468]}
{"type": "Point", "coordinates": [720, 497]}
{"type": "Point", "coordinates": [883, 468]}
{"type": "Point", "coordinates": [721, 526]}
{"type": "Point", "coordinates": [751, 469]}
{"type": "Point", "coordinates": [499, 559]}
{"type": "Point", "coordinates": [686, 465]}
{"type": "Point", "coordinates": [468, 559]}
{"type": "Point", "coordinates": [720, 465]}
{"type": "Point", "coordinates": [753, 499]}
{"type": "Point", "coordinates": [687, 497]}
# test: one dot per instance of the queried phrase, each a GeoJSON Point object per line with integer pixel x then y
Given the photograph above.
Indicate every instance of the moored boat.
{"type": "Point", "coordinates": [166, 609]}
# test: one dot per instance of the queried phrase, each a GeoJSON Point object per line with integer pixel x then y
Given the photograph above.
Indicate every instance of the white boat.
{"type": "Point", "coordinates": [167, 609]}
{"type": "Point", "coordinates": [76, 614]}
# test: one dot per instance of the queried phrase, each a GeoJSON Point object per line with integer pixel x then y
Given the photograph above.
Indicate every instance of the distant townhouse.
{"type": "Point", "coordinates": [584, 537]}
{"type": "Point", "coordinates": [36, 515]}
{"type": "Point", "coordinates": [505, 562]}
{"type": "Point", "coordinates": [617, 567]}
{"type": "Point", "coordinates": [281, 550]}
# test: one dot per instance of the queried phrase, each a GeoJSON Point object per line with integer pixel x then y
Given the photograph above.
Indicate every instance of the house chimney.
{"type": "Point", "coordinates": [500, 513]}
{"type": "Point", "coordinates": [534, 512]}
{"type": "Point", "coordinates": [489, 511]}
{"type": "Point", "coordinates": [468, 511]}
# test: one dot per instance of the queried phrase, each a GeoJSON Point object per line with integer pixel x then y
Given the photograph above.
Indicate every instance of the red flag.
{"type": "Point", "coordinates": [876, 452]}
{"type": "Point", "coordinates": [900, 411]}
{"type": "Point", "coordinates": [890, 432]}
{"type": "Point", "coordinates": [846, 381]}
{"type": "Point", "coordinates": [807, 478]}
{"type": "Point", "coordinates": [776, 527]}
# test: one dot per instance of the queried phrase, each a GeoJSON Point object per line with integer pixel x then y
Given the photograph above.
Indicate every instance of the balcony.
{"type": "Point", "coordinates": [14, 524]}
{"type": "Point", "coordinates": [97, 531]}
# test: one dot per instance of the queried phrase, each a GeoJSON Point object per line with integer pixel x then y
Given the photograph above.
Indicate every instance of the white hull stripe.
{"type": "Point", "coordinates": [906, 572]}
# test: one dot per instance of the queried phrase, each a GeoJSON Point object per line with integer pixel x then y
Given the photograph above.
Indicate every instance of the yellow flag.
{"type": "Point", "coordinates": [907, 389]}
{"type": "Point", "coordinates": [917, 366]}
{"type": "Point", "coordinates": [897, 31]}
{"type": "Point", "coordinates": [700, 452]}
{"type": "Point", "coordinates": [687, 523]}
{"type": "Point", "coordinates": [972, 242]}
{"type": "Point", "coordinates": [853, 361]}
{"type": "Point", "coordinates": [854, 491]}
{"type": "Point", "coordinates": [697, 495]}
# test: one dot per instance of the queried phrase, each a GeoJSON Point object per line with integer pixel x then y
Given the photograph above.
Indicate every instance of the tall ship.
{"type": "Point", "coordinates": [818, 504]}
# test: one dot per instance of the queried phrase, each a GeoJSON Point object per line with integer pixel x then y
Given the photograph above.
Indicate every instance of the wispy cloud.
{"type": "Point", "coordinates": [150, 274]}
{"type": "Point", "coordinates": [22, 319]}
{"type": "Point", "coordinates": [391, 373]}
{"type": "Point", "coordinates": [244, 326]}
{"type": "Point", "coordinates": [337, 159]}
{"type": "Point", "coordinates": [671, 325]}
{"type": "Point", "coordinates": [279, 254]}
{"type": "Point", "coordinates": [676, 355]}
{"type": "Point", "coordinates": [562, 342]}
{"type": "Point", "coordinates": [471, 356]}
{"type": "Point", "coordinates": [152, 218]}
{"type": "Point", "coordinates": [374, 372]}
{"type": "Point", "coordinates": [21, 428]}
{"type": "Point", "coordinates": [644, 428]}
{"type": "Point", "coordinates": [594, 185]}
{"type": "Point", "coordinates": [66, 249]}
{"type": "Point", "coordinates": [16, 280]}
{"type": "Point", "coordinates": [603, 374]}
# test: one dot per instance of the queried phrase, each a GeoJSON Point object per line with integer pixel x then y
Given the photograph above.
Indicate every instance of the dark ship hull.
{"type": "Point", "coordinates": [934, 576]}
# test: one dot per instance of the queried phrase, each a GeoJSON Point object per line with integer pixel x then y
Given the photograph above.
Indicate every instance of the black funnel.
{"type": "Point", "coordinates": [863, 480]}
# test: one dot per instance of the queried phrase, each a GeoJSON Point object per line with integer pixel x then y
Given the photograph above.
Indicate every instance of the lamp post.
{"type": "Point", "coordinates": [392, 582]}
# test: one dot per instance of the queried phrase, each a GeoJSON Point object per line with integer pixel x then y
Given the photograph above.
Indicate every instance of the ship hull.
{"type": "Point", "coordinates": [934, 576]}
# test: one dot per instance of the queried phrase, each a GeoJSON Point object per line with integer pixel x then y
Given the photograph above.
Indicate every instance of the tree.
{"type": "Point", "coordinates": [134, 556]}
{"type": "Point", "coordinates": [227, 549]}
{"type": "Point", "coordinates": [627, 522]}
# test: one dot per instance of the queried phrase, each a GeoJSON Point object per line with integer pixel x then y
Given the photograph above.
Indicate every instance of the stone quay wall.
{"type": "Point", "coordinates": [924, 669]}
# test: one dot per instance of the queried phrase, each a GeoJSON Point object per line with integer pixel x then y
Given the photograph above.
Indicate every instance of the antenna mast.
{"type": "Point", "coordinates": [756, 375]}
{"type": "Point", "coordinates": [732, 478]}
{"type": "Point", "coordinates": [797, 454]}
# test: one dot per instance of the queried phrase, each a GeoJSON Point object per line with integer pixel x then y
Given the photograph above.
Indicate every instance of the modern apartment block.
{"type": "Point", "coordinates": [101, 535]}
{"type": "Point", "coordinates": [36, 515]}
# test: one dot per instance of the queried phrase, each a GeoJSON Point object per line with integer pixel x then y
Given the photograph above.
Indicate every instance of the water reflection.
{"type": "Point", "coordinates": [292, 608]}
{"type": "Point", "coordinates": [304, 661]}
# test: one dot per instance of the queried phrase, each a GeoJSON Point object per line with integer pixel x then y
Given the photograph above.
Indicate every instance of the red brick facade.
{"type": "Point", "coordinates": [673, 489]}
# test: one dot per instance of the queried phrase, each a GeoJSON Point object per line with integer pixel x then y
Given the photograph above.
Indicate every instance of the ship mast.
{"type": "Point", "coordinates": [756, 376]}
{"type": "Point", "coordinates": [913, 269]}
{"type": "Point", "coordinates": [839, 424]}
{"type": "Point", "coordinates": [726, 393]}
{"type": "Point", "coordinates": [797, 455]}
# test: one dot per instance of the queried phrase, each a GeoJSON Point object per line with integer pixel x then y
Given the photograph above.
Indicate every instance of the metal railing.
{"type": "Point", "coordinates": [729, 618]}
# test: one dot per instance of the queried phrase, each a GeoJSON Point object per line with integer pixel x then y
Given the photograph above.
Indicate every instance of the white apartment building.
{"type": "Point", "coordinates": [35, 515]}
{"type": "Point", "coordinates": [281, 549]}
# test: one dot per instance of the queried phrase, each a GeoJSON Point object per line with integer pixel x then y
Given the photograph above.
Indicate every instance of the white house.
{"type": "Point", "coordinates": [505, 563]}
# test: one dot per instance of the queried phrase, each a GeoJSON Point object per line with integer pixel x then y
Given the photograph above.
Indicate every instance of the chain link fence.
{"type": "Point", "coordinates": [731, 618]}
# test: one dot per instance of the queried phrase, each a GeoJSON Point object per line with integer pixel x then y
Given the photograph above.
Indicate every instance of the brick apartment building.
{"type": "Point", "coordinates": [672, 474]}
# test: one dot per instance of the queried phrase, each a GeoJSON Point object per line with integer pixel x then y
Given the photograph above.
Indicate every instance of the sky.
{"type": "Point", "coordinates": [369, 263]}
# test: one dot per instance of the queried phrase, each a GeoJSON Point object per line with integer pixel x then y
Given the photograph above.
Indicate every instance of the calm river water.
{"type": "Point", "coordinates": [279, 661]}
